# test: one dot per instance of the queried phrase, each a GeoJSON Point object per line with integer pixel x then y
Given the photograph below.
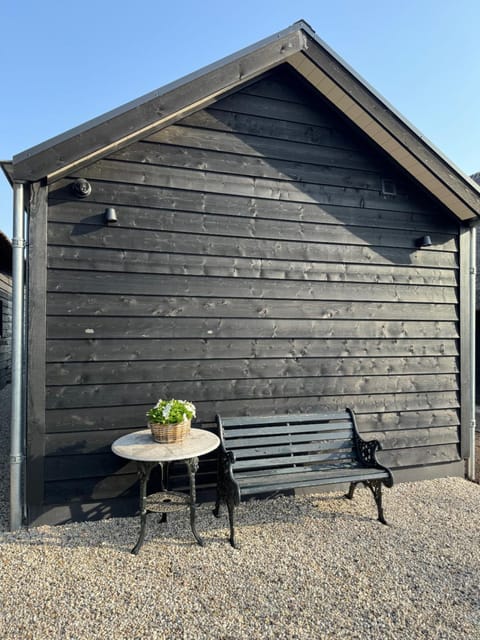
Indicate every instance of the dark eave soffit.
{"type": "Point", "coordinates": [313, 59]}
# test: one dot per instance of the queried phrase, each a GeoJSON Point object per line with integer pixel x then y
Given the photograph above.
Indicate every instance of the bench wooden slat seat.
{"type": "Point", "coordinates": [267, 454]}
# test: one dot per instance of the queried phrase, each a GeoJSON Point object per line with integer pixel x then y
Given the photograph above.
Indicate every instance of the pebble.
{"type": "Point", "coordinates": [311, 567]}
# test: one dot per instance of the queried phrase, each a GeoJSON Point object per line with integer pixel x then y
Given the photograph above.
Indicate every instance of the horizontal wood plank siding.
{"type": "Point", "coordinates": [75, 373]}
{"type": "Point", "coordinates": [5, 329]}
{"type": "Point", "coordinates": [256, 267]}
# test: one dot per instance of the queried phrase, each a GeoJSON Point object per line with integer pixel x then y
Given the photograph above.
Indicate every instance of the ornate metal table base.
{"type": "Point", "coordinates": [165, 501]}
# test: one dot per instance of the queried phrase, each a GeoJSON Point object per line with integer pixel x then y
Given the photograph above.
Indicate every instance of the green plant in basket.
{"type": "Point", "coordinates": [171, 411]}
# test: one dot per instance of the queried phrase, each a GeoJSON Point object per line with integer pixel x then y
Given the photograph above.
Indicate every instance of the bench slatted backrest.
{"type": "Point", "coordinates": [289, 443]}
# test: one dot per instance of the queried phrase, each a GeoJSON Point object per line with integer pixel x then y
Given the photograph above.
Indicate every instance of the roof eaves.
{"type": "Point", "coordinates": [310, 56]}
{"type": "Point", "coordinates": [53, 157]}
{"type": "Point", "coordinates": [354, 74]}
{"type": "Point", "coordinates": [7, 168]}
{"type": "Point", "coordinates": [342, 86]}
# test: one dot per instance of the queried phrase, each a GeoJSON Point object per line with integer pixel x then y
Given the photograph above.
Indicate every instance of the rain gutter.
{"type": "Point", "coordinates": [472, 320]}
{"type": "Point", "coordinates": [16, 425]}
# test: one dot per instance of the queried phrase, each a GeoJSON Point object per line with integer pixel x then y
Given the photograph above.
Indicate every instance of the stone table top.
{"type": "Point", "coordinates": [141, 446]}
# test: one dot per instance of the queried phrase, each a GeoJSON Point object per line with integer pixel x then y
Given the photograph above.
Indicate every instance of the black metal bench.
{"type": "Point", "coordinates": [269, 454]}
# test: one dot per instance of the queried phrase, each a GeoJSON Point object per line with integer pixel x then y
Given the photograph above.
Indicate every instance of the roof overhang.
{"type": "Point", "coordinates": [7, 168]}
{"type": "Point", "coordinates": [310, 57]}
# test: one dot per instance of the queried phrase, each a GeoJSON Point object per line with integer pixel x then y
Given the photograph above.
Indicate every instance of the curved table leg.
{"type": "Point", "coordinates": [144, 471]}
{"type": "Point", "coordinates": [192, 466]}
{"type": "Point", "coordinates": [164, 482]}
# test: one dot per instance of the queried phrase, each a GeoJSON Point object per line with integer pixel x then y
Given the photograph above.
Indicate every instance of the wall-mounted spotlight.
{"type": "Point", "coordinates": [424, 241]}
{"type": "Point", "coordinates": [110, 216]}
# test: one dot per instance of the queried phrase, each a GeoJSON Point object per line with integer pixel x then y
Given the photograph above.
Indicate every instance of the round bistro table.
{"type": "Point", "coordinates": [140, 447]}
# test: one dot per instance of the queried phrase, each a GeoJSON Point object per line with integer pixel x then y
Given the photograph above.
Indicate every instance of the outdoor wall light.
{"type": "Point", "coordinates": [81, 188]}
{"type": "Point", "coordinates": [424, 241]}
{"type": "Point", "coordinates": [110, 216]}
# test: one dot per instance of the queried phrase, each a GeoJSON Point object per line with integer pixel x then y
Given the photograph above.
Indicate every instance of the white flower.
{"type": "Point", "coordinates": [190, 407]}
{"type": "Point", "coordinates": [166, 410]}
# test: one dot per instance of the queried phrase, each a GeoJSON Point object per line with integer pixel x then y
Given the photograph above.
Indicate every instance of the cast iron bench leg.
{"type": "Point", "coordinates": [229, 499]}
{"type": "Point", "coordinates": [218, 501]}
{"type": "Point", "coordinates": [375, 487]}
{"type": "Point", "coordinates": [351, 491]}
{"type": "Point", "coordinates": [231, 520]}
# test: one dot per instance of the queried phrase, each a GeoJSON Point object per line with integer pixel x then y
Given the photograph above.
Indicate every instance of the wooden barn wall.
{"type": "Point", "coordinates": [256, 267]}
{"type": "Point", "coordinates": [5, 328]}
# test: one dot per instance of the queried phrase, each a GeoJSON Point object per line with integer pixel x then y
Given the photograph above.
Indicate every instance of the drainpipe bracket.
{"type": "Point", "coordinates": [17, 459]}
{"type": "Point", "coordinates": [18, 243]}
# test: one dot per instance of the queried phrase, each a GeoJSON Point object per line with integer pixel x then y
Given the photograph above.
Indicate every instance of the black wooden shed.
{"type": "Point", "coordinates": [285, 242]}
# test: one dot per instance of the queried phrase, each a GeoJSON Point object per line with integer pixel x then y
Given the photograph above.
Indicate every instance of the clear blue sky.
{"type": "Point", "coordinates": [62, 63]}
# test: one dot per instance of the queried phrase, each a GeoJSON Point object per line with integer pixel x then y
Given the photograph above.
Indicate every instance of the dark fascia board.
{"type": "Point", "coordinates": [299, 46]}
{"type": "Point", "coordinates": [340, 84]}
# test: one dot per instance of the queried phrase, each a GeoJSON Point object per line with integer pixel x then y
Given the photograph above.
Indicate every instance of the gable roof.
{"type": "Point", "coordinates": [297, 46]}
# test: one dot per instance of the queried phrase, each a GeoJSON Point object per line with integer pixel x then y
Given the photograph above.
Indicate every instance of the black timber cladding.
{"type": "Point", "coordinates": [256, 268]}
{"type": "Point", "coordinates": [5, 310]}
{"type": "Point", "coordinates": [5, 328]}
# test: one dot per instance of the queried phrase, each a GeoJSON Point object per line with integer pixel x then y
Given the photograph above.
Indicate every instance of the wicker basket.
{"type": "Point", "coordinates": [170, 433]}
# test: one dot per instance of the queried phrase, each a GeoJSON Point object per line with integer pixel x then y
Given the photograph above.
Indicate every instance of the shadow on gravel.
{"type": "Point", "coordinates": [121, 534]}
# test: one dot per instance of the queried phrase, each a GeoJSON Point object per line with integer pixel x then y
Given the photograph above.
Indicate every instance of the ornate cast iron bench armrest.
{"type": "Point", "coordinates": [367, 451]}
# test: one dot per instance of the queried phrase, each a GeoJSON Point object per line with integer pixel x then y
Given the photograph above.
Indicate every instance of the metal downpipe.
{"type": "Point", "coordinates": [473, 271]}
{"type": "Point", "coordinates": [16, 425]}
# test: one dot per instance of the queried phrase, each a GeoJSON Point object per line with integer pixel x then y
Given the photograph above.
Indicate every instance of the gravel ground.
{"type": "Point", "coordinates": [311, 567]}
